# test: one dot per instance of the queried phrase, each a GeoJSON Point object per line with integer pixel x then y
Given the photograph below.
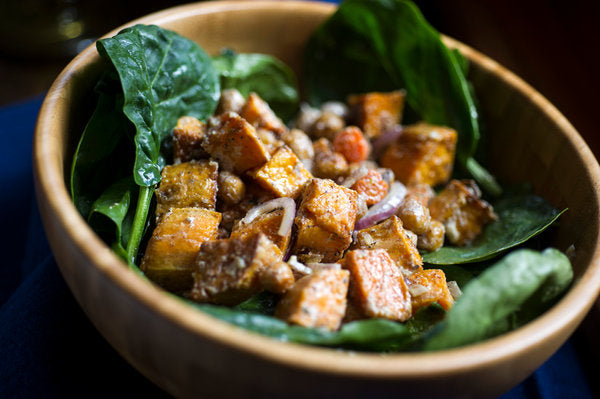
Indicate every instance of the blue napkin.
{"type": "Point", "coordinates": [48, 347]}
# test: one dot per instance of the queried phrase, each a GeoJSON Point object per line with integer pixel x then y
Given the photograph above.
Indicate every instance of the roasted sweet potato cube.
{"type": "Point", "coordinates": [233, 141]}
{"type": "Point", "coordinates": [423, 153]}
{"type": "Point", "coordinates": [316, 300]}
{"type": "Point", "coordinates": [267, 224]}
{"type": "Point", "coordinates": [187, 139]}
{"type": "Point", "coordinates": [464, 214]}
{"type": "Point", "coordinates": [171, 251]}
{"type": "Point", "coordinates": [429, 286]}
{"type": "Point", "coordinates": [326, 218]}
{"type": "Point", "coordinates": [376, 112]}
{"type": "Point", "coordinates": [283, 175]}
{"type": "Point", "coordinates": [258, 113]}
{"type": "Point", "coordinates": [391, 236]}
{"type": "Point", "coordinates": [188, 184]}
{"type": "Point", "coordinates": [377, 285]}
{"type": "Point", "coordinates": [229, 271]}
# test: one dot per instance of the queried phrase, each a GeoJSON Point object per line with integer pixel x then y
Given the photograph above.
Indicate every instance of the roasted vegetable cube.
{"type": "Point", "coordinates": [423, 153]}
{"type": "Point", "coordinates": [316, 300]}
{"type": "Point", "coordinates": [188, 184]}
{"type": "Point", "coordinates": [283, 175]}
{"type": "Point", "coordinates": [268, 224]}
{"type": "Point", "coordinates": [187, 139]}
{"type": "Point", "coordinates": [376, 112]}
{"type": "Point", "coordinates": [233, 141]}
{"type": "Point", "coordinates": [429, 286]}
{"type": "Point", "coordinates": [231, 270]}
{"type": "Point", "coordinates": [258, 113]}
{"type": "Point", "coordinates": [171, 251]}
{"type": "Point", "coordinates": [391, 236]}
{"type": "Point", "coordinates": [462, 211]}
{"type": "Point", "coordinates": [377, 285]}
{"type": "Point", "coordinates": [325, 219]}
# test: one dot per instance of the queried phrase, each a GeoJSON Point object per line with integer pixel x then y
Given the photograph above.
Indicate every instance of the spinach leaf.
{"type": "Point", "coordinates": [387, 45]}
{"type": "Point", "coordinates": [263, 74]}
{"type": "Point", "coordinates": [163, 76]}
{"type": "Point", "coordinates": [505, 296]}
{"type": "Point", "coordinates": [114, 206]}
{"type": "Point", "coordinates": [520, 217]}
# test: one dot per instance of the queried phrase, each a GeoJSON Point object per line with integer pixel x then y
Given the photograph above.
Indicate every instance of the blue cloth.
{"type": "Point", "coordinates": [48, 347]}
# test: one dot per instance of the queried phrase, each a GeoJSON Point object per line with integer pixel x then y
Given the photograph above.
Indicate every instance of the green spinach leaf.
{"type": "Point", "coordinates": [386, 45]}
{"type": "Point", "coordinates": [520, 217]}
{"type": "Point", "coordinates": [263, 74]}
{"type": "Point", "coordinates": [163, 76]}
{"type": "Point", "coordinates": [505, 296]}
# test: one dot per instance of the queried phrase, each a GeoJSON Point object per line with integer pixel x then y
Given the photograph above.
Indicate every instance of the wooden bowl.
{"type": "Point", "coordinates": [191, 354]}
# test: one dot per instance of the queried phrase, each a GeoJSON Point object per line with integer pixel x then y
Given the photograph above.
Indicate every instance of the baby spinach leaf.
{"type": "Point", "coordinates": [114, 205]}
{"type": "Point", "coordinates": [263, 74]}
{"type": "Point", "coordinates": [163, 76]}
{"type": "Point", "coordinates": [505, 296]}
{"type": "Point", "coordinates": [387, 45]}
{"type": "Point", "coordinates": [520, 217]}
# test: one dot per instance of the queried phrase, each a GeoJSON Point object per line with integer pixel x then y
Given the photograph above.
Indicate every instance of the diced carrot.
{"type": "Point", "coordinates": [351, 143]}
{"type": "Point", "coordinates": [371, 186]}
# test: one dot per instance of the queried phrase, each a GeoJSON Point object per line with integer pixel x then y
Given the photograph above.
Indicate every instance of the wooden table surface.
{"type": "Point", "coordinates": [551, 45]}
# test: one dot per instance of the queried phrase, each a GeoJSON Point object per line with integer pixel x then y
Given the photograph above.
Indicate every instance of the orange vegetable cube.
{"type": "Point", "coordinates": [284, 174]}
{"type": "Point", "coordinates": [423, 153]}
{"type": "Point", "coordinates": [376, 112]}
{"type": "Point", "coordinates": [188, 184]}
{"type": "Point", "coordinates": [171, 251]}
{"type": "Point", "coordinates": [429, 286]}
{"type": "Point", "coordinates": [316, 300]}
{"type": "Point", "coordinates": [377, 286]}
{"type": "Point", "coordinates": [464, 214]}
{"type": "Point", "coordinates": [326, 218]}
{"type": "Point", "coordinates": [391, 236]}
{"type": "Point", "coordinates": [258, 113]}
{"type": "Point", "coordinates": [234, 142]}
{"type": "Point", "coordinates": [351, 143]}
{"type": "Point", "coordinates": [187, 139]}
{"type": "Point", "coordinates": [229, 271]}
{"type": "Point", "coordinates": [267, 224]}
{"type": "Point", "coordinates": [371, 186]}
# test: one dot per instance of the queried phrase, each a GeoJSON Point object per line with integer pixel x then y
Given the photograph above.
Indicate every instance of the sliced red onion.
{"type": "Point", "coordinates": [384, 208]}
{"type": "Point", "coordinates": [355, 176]}
{"type": "Point", "coordinates": [386, 138]}
{"type": "Point", "coordinates": [289, 212]}
{"type": "Point", "coordinates": [454, 289]}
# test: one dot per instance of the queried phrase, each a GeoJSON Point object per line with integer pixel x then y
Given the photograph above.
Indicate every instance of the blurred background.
{"type": "Point", "coordinates": [551, 44]}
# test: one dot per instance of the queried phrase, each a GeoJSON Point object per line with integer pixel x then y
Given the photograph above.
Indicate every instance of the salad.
{"type": "Point", "coordinates": [359, 217]}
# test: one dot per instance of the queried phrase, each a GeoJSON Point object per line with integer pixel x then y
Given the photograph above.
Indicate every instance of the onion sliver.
{"type": "Point", "coordinates": [289, 212]}
{"type": "Point", "coordinates": [384, 208]}
{"type": "Point", "coordinates": [386, 138]}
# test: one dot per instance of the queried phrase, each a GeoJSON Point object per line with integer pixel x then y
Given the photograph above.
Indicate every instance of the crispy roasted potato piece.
{"type": "Point", "coordinates": [188, 184]}
{"type": "Point", "coordinates": [187, 139]}
{"type": "Point", "coordinates": [423, 153]}
{"type": "Point", "coordinates": [283, 175]}
{"type": "Point", "coordinates": [429, 286]}
{"type": "Point", "coordinates": [171, 251]}
{"type": "Point", "coordinates": [325, 219]}
{"type": "Point", "coordinates": [258, 113]}
{"type": "Point", "coordinates": [267, 224]}
{"type": "Point", "coordinates": [464, 214]}
{"type": "Point", "coordinates": [316, 300]}
{"type": "Point", "coordinates": [398, 242]}
{"type": "Point", "coordinates": [229, 271]}
{"type": "Point", "coordinates": [234, 142]}
{"type": "Point", "coordinates": [376, 112]}
{"type": "Point", "coordinates": [377, 285]}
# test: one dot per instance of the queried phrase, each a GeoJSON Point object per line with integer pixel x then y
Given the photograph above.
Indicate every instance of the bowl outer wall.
{"type": "Point", "coordinates": [189, 353]}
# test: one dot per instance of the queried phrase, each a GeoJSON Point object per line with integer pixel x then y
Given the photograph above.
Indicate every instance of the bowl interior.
{"type": "Point", "coordinates": [529, 140]}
